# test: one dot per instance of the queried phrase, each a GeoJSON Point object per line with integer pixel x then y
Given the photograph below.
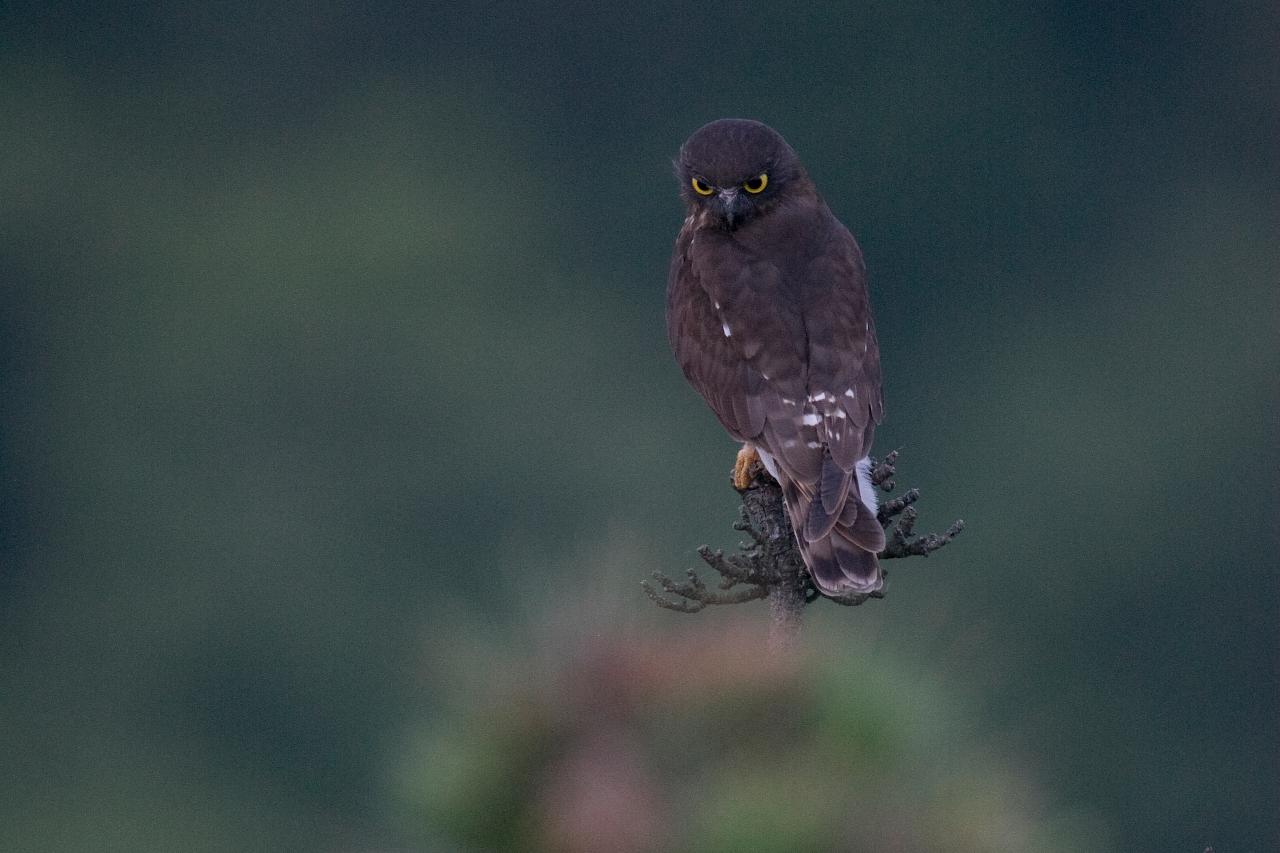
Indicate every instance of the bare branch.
{"type": "Point", "coordinates": [883, 470]}
{"type": "Point", "coordinates": [901, 546]}
{"type": "Point", "coordinates": [692, 595]}
{"type": "Point", "coordinates": [893, 507]}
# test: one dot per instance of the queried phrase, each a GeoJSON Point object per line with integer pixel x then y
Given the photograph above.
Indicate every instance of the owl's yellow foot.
{"type": "Point", "coordinates": [746, 467]}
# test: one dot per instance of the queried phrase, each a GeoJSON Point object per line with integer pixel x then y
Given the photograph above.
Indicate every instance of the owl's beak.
{"type": "Point", "coordinates": [731, 205]}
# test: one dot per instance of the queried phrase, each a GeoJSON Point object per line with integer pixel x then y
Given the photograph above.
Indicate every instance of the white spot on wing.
{"type": "Point", "coordinates": [811, 419]}
{"type": "Point", "coordinates": [819, 397]}
{"type": "Point", "coordinates": [727, 332]}
{"type": "Point", "coordinates": [813, 445]}
{"type": "Point", "coordinates": [850, 394]}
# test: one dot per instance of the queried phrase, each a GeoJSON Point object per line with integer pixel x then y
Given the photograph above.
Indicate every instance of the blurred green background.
{"type": "Point", "coordinates": [337, 421]}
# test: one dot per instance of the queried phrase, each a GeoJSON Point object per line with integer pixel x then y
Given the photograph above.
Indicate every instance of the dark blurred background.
{"type": "Point", "coordinates": [336, 407]}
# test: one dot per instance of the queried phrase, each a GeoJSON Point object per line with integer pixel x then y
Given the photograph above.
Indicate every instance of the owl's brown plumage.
{"type": "Point", "coordinates": [768, 316]}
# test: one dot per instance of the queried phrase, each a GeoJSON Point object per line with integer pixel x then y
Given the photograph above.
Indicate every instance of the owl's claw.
{"type": "Point", "coordinates": [746, 467]}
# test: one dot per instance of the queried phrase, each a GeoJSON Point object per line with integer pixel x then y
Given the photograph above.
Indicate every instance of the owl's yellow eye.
{"type": "Point", "coordinates": [701, 188]}
{"type": "Point", "coordinates": [756, 184]}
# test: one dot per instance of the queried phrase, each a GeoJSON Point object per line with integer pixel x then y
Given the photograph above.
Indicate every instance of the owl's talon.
{"type": "Point", "coordinates": [746, 467]}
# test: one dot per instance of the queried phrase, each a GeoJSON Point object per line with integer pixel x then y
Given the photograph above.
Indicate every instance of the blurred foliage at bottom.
{"type": "Point", "coordinates": [698, 740]}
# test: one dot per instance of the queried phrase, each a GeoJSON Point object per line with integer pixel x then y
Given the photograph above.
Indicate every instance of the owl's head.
{"type": "Point", "coordinates": [736, 169]}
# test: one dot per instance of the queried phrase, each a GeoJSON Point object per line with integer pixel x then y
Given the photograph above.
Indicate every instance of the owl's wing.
{"type": "Point", "coordinates": [835, 515]}
{"type": "Point", "coordinates": [749, 372]}
{"type": "Point", "coordinates": [843, 353]}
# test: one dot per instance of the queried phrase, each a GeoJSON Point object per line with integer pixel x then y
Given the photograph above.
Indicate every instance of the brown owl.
{"type": "Point", "coordinates": [768, 316]}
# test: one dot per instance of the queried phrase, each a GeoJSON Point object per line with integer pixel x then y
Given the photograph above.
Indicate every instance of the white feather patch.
{"type": "Point", "coordinates": [811, 419]}
{"type": "Point", "coordinates": [769, 464]}
{"type": "Point", "coordinates": [866, 491]}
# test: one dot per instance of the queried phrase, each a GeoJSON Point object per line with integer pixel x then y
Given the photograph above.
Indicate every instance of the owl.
{"type": "Point", "coordinates": [769, 319]}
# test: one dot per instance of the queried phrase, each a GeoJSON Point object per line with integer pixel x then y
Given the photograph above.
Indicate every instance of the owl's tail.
{"type": "Point", "coordinates": [837, 529]}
